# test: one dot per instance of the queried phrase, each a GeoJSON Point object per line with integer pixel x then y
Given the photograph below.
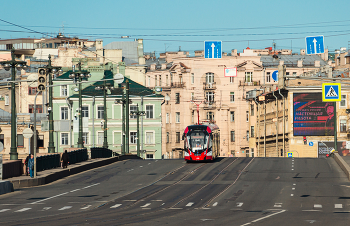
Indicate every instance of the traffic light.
{"type": "Point", "coordinates": [305, 141]}
{"type": "Point", "coordinates": [42, 79]}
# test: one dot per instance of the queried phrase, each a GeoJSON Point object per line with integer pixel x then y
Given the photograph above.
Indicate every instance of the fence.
{"type": "Point", "coordinates": [101, 153]}
{"type": "Point", "coordinates": [46, 162]}
{"type": "Point", "coordinates": [78, 156]}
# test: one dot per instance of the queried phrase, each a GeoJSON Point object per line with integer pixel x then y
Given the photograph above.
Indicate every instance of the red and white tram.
{"type": "Point", "coordinates": [201, 142]}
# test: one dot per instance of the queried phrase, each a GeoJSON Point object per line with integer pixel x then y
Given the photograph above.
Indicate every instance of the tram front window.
{"type": "Point", "coordinates": [198, 140]}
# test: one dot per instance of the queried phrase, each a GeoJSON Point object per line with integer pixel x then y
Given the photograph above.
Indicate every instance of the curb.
{"type": "Point", "coordinates": [343, 165]}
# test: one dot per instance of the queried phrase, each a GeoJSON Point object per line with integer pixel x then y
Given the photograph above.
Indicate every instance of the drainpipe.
{"type": "Point", "coordinates": [258, 132]}
{"type": "Point", "coordinates": [70, 110]}
{"type": "Point", "coordinates": [276, 122]}
{"type": "Point", "coordinates": [284, 121]}
{"type": "Point", "coordinates": [264, 128]}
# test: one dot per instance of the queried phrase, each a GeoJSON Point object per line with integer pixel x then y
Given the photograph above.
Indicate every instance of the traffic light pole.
{"type": "Point", "coordinates": [80, 138]}
{"type": "Point", "coordinates": [127, 118]}
{"type": "Point", "coordinates": [13, 150]}
{"type": "Point", "coordinates": [51, 148]}
{"type": "Point", "coordinates": [105, 142]}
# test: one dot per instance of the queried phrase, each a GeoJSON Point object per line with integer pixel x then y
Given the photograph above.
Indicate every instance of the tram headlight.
{"type": "Point", "coordinates": [186, 153]}
{"type": "Point", "coordinates": [210, 153]}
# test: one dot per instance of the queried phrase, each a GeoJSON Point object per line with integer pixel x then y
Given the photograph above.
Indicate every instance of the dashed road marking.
{"type": "Point", "coordinates": [291, 194]}
{"type": "Point", "coordinates": [278, 205]}
{"type": "Point", "coordinates": [317, 206]}
{"type": "Point", "coordinates": [190, 204]}
{"type": "Point", "coordinates": [86, 207]}
{"type": "Point", "coordinates": [215, 204]}
{"type": "Point", "coordinates": [4, 210]}
{"type": "Point", "coordinates": [116, 206]}
{"type": "Point", "coordinates": [338, 206]}
{"type": "Point", "coordinates": [46, 208]}
{"type": "Point", "coordinates": [239, 204]}
{"type": "Point", "coordinates": [22, 210]}
{"type": "Point", "coordinates": [144, 206]}
{"type": "Point", "coordinates": [65, 208]}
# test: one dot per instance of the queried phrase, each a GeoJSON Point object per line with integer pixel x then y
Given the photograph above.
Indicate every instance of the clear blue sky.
{"type": "Point", "coordinates": [186, 23]}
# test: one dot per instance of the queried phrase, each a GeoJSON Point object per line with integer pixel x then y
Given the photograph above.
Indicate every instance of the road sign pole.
{"type": "Point", "coordinates": [335, 127]}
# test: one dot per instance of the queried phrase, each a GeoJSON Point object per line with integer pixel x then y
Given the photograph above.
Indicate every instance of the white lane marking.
{"type": "Point", "coordinates": [311, 210]}
{"type": "Point", "coordinates": [190, 204]}
{"type": "Point", "coordinates": [4, 210]}
{"type": "Point", "coordinates": [65, 208]}
{"type": "Point", "coordinates": [291, 194]}
{"type": "Point", "coordinates": [338, 206]}
{"type": "Point", "coordinates": [293, 188]}
{"type": "Point", "coordinates": [292, 169]}
{"type": "Point", "coordinates": [262, 218]}
{"type": "Point", "coordinates": [215, 204]}
{"type": "Point", "coordinates": [149, 163]}
{"type": "Point", "coordinates": [141, 166]}
{"type": "Point", "coordinates": [317, 206]}
{"type": "Point", "coordinates": [294, 184]}
{"type": "Point", "coordinates": [278, 205]}
{"type": "Point", "coordinates": [130, 200]}
{"type": "Point", "coordinates": [86, 207]}
{"type": "Point", "coordinates": [22, 210]}
{"type": "Point", "coordinates": [46, 208]}
{"type": "Point", "coordinates": [144, 206]}
{"type": "Point", "coordinates": [63, 194]}
{"type": "Point", "coordinates": [158, 200]}
{"type": "Point", "coordinates": [175, 208]}
{"type": "Point", "coordinates": [239, 204]}
{"type": "Point", "coordinates": [116, 206]}
{"type": "Point", "coordinates": [75, 190]}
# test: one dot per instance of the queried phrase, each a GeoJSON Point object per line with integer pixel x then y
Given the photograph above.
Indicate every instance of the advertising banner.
{"type": "Point", "coordinates": [326, 147]}
{"type": "Point", "coordinates": [311, 116]}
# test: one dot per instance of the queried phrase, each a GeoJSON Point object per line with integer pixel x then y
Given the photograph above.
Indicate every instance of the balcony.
{"type": "Point", "coordinates": [209, 86]}
{"type": "Point", "coordinates": [244, 83]}
{"type": "Point", "coordinates": [177, 85]}
{"type": "Point", "coordinates": [209, 105]}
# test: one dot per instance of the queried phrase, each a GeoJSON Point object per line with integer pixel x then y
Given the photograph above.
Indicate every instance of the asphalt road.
{"type": "Point", "coordinates": [230, 191]}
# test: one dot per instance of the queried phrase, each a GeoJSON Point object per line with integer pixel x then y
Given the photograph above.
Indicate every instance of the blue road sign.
{"type": "Point", "coordinates": [290, 154]}
{"type": "Point", "coordinates": [275, 76]}
{"type": "Point", "coordinates": [314, 44]}
{"type": "Point", "coordinates": [311, 144]}
{"type": "Point", "coordinates": [331, 92]}
{"type": "Point", "coordinates": [212, 49]}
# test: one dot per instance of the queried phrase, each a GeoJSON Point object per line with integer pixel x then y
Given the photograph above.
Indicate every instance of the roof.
{"type": "Point", "coordinates": [135, 89]}
{"type": "Point", "coordinates": [292, 60]}
{"type": "Point", "coordinates": [129, 49]}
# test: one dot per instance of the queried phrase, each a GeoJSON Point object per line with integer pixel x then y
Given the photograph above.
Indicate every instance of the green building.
{"type": "Point", "coordinates": [66, 113]}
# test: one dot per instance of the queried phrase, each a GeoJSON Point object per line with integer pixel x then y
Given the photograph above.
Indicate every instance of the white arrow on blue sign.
{"type": "Point", "coordinates": [212, 49]}
{"type": "Point", "coordinates": [314, 44]}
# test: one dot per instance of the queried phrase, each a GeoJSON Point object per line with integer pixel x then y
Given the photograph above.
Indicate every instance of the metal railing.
{"type": "Point", "coordinates": [99, 152]}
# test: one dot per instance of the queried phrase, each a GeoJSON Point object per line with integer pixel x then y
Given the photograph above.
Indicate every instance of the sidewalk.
{"type": "Point", "coordinates": [344, 163]}
{"type": "Point", "coordinates": [48, 176]}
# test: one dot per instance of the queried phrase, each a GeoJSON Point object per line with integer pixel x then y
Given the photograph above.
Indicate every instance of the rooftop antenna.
{"type": "Point", "coordinates": [274, 46]}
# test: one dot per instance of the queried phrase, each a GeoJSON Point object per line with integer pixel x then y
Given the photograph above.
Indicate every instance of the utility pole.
{"type": "Point", "coordinates": [127, 117]}
{"type": "Point", "coordinates": [138, 114]}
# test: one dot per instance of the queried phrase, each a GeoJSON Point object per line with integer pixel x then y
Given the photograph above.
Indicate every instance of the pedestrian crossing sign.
{"type": "Point", "coordinates": [290, 154]}
{"type": "Point", "coordinates": [331, 92]}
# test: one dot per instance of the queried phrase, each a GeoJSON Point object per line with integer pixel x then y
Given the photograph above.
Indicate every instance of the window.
{"type": "Point", "coordinates": [177, 120]}
{"type": "Point", "coordinates": [64, 90]}
{"type": "Point", "coordinates": [40, 141]}
{"type": "Point", "coordinates": [232, 114]}
{"type": "Point", "coordinates": [247, 115]}
{"type": "Point", "coordinates": [231, 79]}
{"type": "Point", "coordinates": [167, 80]}
{"type": "Point", "coordinates": [252, 110]}
{"type": "Point", "coordinates": [7, 100]}
{"type": "Point", "coordinates": [343, 101]}
{"type": "Point", "coordinates": [342, 125]}
{"type": "Point", "coordinates": [233, 138]}
{"type": "Point", "coordinates": [160, 80]}
{"type": "Point", "coordinates": [133, 108]}
{"type": "Point", "coordinates": [100, 112]}
{"type": "Point", "coordinates": [192, 78]}
{"type": "Point", "coordinates": [20, 141]}
{"type": "Point", "coordinates": [192, 117]}
{"type": "Point", "coordinates": [192, 96]}
{"type": "Point", "coordinates": [268, 77]}
{"type": "Point", "coordinates": [100, 137]}
{"type": "Point", "coordinates": [167, 137]}
{"type": "Point", "coordinates": [149, 111]}
{"type": "Point", "coordinates": [180, 78]}
{"type": "Point", "coordinates": [252, 131]}
{"type": "Point", "coordinates": [85, 138]}
{"type": "Point", "coordinates": [177, 98]}
{"type": "Point", "coordinates": [294, 74]}
{"type": "Point", "coordinates": [248, 76]}
{"type": "Point", "coordinates": [247, 135]}
{"type": "Point", "coordinates": [133, 136]}
{"type": "Point", "coordinates": [210, 116]}
{"type": "Point", "coordinates": [64, 113]}
{"type": "Point", "coordinates": [32, 90]}
{"type": "Point", "coordinates": [155, 80]}
{"type": "Point", "coordinates": [149, 156]}
{"type": "Point", "coordinates": [209, 96]}
{"type": "Point", "coordinates": [232, 97]}
{"type": "Point", "coordinates": [177, 137]}
{"type": "Point", "coordinates": [85, 111]}
{"type": "Point", "coordinates": [209, 78]}
{"type": "Point", "coordinates": [287, 73]}
{"type": "Point", "coordinates": [64, 138]}
{"type": "Point", "coordinates": [149, 138]}
{"type": "Point", "coordinates": [39, 108]}
{"type": "Point", "coordinates": [167, 118]}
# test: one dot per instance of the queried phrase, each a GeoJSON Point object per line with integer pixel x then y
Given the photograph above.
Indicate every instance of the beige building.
{"type": "Point", "coordinates": [189, 83]}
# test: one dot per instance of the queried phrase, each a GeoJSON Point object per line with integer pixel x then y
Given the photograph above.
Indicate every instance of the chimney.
{"type": "Point", "coordinates": [302, 52]}
{"type": "Point", "coordinates": [300, 63]}
{"type": "Point", "coordinates": [317, 63]}
{"type": "Point", "coordinates": [281, 62]}
{"type": "Point", "coordinates": [234, 52]}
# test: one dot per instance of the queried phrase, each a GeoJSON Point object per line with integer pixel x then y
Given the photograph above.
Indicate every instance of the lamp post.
{"type": "Point", "coordinates": [138, 114]}
{"type": "Point", "coordinates": [78, 76]}
{"type": "Point", "coordinates": [105, 87]}
{"type": "Point", "coordinates": [7, 65]}
{"type": "Point", "coordinates": [49, 70]}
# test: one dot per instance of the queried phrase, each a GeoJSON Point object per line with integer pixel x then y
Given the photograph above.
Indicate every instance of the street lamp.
{"type": "Point", "coordinates": [78, 76]}
{"type": "Point", "coordinates": [138, 114]}
{"type": "Point", "coordinates": [50, 71]}
{"type": "Point", "coordinates": [19, 65]}
{"type": "Point", "coordinates": [105, 87]}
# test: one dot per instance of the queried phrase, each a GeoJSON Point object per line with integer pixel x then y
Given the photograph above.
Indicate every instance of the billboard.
{"type": "Point", "coordinates": [326, 147]}
{"type": "Point", "coordinates": [230, 72]}
{"type": "Point", "coordinates": [311, 116]}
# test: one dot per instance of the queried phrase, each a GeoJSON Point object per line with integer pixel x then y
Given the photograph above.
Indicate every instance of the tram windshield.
{"type": "Point", "coordinates": [197, 140]}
